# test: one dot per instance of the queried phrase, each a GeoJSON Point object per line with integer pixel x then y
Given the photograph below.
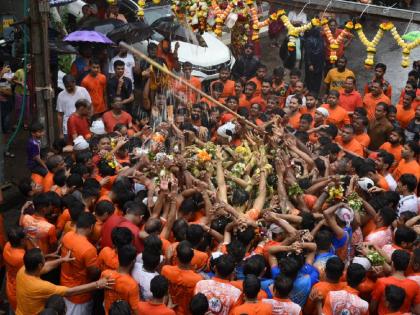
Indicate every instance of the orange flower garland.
{"type": "Point", "coordinates": [221, 15]}
{"type": "Point", "coordinates": [336, 42]}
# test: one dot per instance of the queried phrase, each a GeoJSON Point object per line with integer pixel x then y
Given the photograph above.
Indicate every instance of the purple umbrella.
{"type": "Point", "coordinates": [87, 37]}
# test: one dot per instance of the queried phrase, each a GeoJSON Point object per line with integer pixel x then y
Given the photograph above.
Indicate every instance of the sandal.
{"type": "Point", "coordinates": [9, 154]}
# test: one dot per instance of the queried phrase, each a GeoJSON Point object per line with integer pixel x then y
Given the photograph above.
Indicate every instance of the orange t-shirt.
{"type": "Point", "coordinates": [75, 273]}
{"type": "Point", "coordinates": [258, 83]}
{"type": "Point", "coordinates": [181, 286]}
{"type": "Point", "coordinates": [125, 288]}
{"type": "Point", "coordinates": [147, 308]}
{"type": "Point", "coordinates": [305, 110]}
{"type": "Point", "coordinates": [190, 95]}
{"type": "Point", "coordinates": [353, 146]}
{"type": "Point", "coordinates": [403, 167]}
{"type": "Point", "coordinates": [349, 101]}
{"type": "Point", "coordinates": [395, 151]}
{"type": "Point", "coordinates": [341, 301]}
{"type": "Point", "coordinates": [259, 308]}
{"type": "Point", "coordinates": [363, 139]}
{"type": "Point", "coordinates": [410, 287]}
{"type": "Point", "coordinates": [404, 116]}
{"type": "Point", "coordinates": [110, 120]}
{"type": "Point", "coordinates": [48, 181]}
{"type": "Point", "coordinates": [108, 259]}
{"type": "Point", "coordinates": [322, 288]}
{"type": "Point", "coordinates": [13, 257]}
{"type": "Point", "coordinates": [337, 116]}
{"type": "Point", "coordinates": [261, 101]}
{"type": "Point", "coordinates": [294, 120]}
{"type": "Point", "coordinates": [244, 102]}
{"type": "Point", "coordinates": [96, 88]}
{"type": "Point", "coordinates": [198, 262]}
{"type": "Point", "coordinates": [42, 231]}
{"type": "Point", "coordinates": [370, 102]}
{"type": "Point", "coordinates": [382, 183]}
{"type": "Point", "coordinates": [63, 218]}
{"type": "Point", "coordinates": [38, 179]}
{"type": "Point", "coordinates": [240, 285]}
{"type": "Point", "coordinates": [228, 87]}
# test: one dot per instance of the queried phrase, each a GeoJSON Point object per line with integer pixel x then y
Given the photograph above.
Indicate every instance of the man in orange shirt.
{"type": "Point", "coordinates": [95, 84]}
{"type": "Point", "coordinates": [380, 70]}
{"type": "Point", "coordinates": [181, 88]}
{"type": "Point", "coordinates": [334, 269]}
{"type": "Point", "coordinates": [408, 164]}
{"type": "Point", "coordinates": [219, 289]}
{"type": "Point", "coordinates": [13, 253]}
{"type": "Point", "coordinates": [393, 145]}
{"type": "Point", "coordinates": [116, 116]}
{"type": "Point", "coordinates": [159, 287]}
{"type": "Point", "coordinates": [182, 279]}
{"type": "Point", "coordinates": [400, 261]}
{"type": "Point", "coordinates": [224, 78]}
{"type": "Point", "coordinates": [360, 125]}
{"type": "Point", "coordinates": [337, 115]}
{"type": "Point", "coordinates": [258, 79]}
{"type": "Point", "coordinates": [247, 98]}
{"type": "Point", "coordinates": [108, 257]}
{"type": "Point", "coordinates": [372, 99]}
{"type": "Point", "coordinates": [78, 122]}
{"type": "Point", "coordinates": [251, 305]}
{"type": "Point", "coordinates": [350, 98]}
{"type": "Point", "coordinates": [125, 287]}
{"type": "Point", "coordinates": [281, 303]}
{"type": "Point", "coordinates": [54, 164]}
{"type": "Point", "coordinates": [84, 268]}
{"type": "Point", "coordinates": [293, 111]}
{"type": "Point", "coordinates": [405, 111]}
{"type": "Point", "coordinates": [37, 226]}
{"type": "Point", "coordinates": [348, 143]}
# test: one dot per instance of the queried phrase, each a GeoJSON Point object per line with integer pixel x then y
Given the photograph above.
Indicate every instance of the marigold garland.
{"type": "Point", "coordinates": [221, 15]}
{"type": "Point", "coordinates": [407, 47]}
{"type": "Point", "coordinates": [292, 31]}
{"type": "Point", "coordinates": [370, 45]}
{"type": "Point", "coordinates": [336, 42]}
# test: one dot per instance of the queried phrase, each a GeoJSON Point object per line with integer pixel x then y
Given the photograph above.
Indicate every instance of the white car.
{"type": "Point", "coordinates": [206, 57]}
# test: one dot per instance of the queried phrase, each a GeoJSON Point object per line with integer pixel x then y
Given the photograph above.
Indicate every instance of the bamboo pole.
{"type": "Point", "coordinates": [192, 87]}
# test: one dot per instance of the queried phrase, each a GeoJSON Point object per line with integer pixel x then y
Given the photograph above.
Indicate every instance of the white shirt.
{"type": "Point", "coordinates": [66, 101]}
{"type": "Point", "coordinates": [297, 18]}
{"type": "Point", "coordinates": [143, 277]}
{"type": "Point", "coordinates": [391, 182]}
{"type": "Point", "coordinates": [290, 97]}
{"type": "Point", "coordinates": [129, 65]}
{"type": "Point", "coordinates": [408, 203]}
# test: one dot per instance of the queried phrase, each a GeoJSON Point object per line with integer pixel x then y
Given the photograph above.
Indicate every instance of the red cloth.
{"type": "Point", "coordinates": [112, 222]}
{"type": "Point", "coordinates": [77, 125]}
{"type": "Point", "coordinates": [135, 230]}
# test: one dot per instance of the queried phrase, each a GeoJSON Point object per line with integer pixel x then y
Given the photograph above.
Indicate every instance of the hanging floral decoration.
{"type": "Point", "coordinates": [193, 12]}
{"type": "Point", "coordinates": [407, 47]}
{"type": "Point", "coordinates": [141, 4]}
{"type": "Point", "coordinates": [370, 45]}
{"type": "Point", "coordinates": [221, 15]}
{"type": "Point", "coordinates": [336, 42]}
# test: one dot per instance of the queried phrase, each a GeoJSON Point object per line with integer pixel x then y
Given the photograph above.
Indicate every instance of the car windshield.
{"type": "Point", "coordinates": [154, 13]}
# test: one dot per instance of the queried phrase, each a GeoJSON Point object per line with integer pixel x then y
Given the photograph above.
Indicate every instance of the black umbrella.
{"type": "Point", "coordinates": [62, 48]}
{"type": "Point", "coordinates": [57, 3]}
{"type": "Point", "coordinates": [101, 26]}
{"type": "Point", "coordinates": [170, 28]}
{"type": "Point", "coordinates": [131, 32]}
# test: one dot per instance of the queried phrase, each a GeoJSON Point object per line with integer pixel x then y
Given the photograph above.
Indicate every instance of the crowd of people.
{"type": "Point", "coordinates": [298, 196]}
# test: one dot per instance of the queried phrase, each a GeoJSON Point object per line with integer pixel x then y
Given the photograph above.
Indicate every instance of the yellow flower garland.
{"type": "Point", "coordinates": [407, 47]}
{"type": "Point", "coordinates": [294, 32]}
{"type": "Point", "coordinates": [370, 45]}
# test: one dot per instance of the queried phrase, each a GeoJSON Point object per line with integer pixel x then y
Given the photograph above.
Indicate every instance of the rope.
{"type": "Point", "coordinates": [364, 10]}
{"type": "Point", "coordinates": [25, 77]}
{"type": "Point", "coordinates": [409, 23]}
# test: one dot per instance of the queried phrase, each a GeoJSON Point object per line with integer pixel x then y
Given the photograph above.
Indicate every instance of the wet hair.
{"type": "Point", "coordinates": [355, 274]}
{"type": "Point", "coordinates": [32, 258]}
{"type": "Point", "coordinates": [404, 234]}
{"type": "Point", "coordinates": [118, 63]}
{"type": "Point", "coordinates": [188, 205]}
{"type": "Point", "coordinates": [361, 111]}
{"type": "Point", "coordinates": [68, 78]}
{"type": "Point", "coordinates": [225, 265]}
{"type": "Point", "coordinates": [323, 240]}
{"type": "Point", "coordinates": [184, 252]}
{"type": "Point", "coordinates": [82, 103]}
{"type": "Point", "coordinates": [384, 106]}
{"type": "Point", "coordinates": [283, 285]}
{"type": "Point", "coordinates": [290, 266]}
{"type": "Point", "coordinates": [334, 268]}
{"type": "Point", "coordinates": [236, 250]}
{"type": "Point", "coordinates": [199, 304]}
{"type": "Point", "coordinates": [395, 297]}
{"type": "Point", "coordinates": [25, 186]}
{"type": "Point", "coordinates": [75, 209]}
{"type": "Point", "coordinates": [104, 207]}
{"type": "Point", "coordinates": [56, 303]}
{"type": "Point", "coordinates": [105, 169]}
{"type": "Point", "coordinates": [36, 126]}
{"type": "Point", "coordinates": [53, 161]}
{"type": "Point", "coordinates": [153, 243]}
{"type": "Point", "coordinates": [121, 236]}
{"type": "Point", "coordinates": [387, 158]}
{"type": "Point", "coordinates": [15, 235]}
{"type": "Point", "coordinates": [41, 201]}
{"type": "Point", "coordinates": [380, 66]}
{"type": "Point", "coordinates": [388, 215]}
{"type": "Point", "coordinates": [88, 192]}
{"type": "Point", "coordinates": [218, 86]}
{"type": "Point", "coordinates": [410, 181]}
{"type": "Point", "coordinates": [195, 234]}
{"type": "Point", "coordinates": [239, 196]}
{"type": "Point", "coordinates": [400, 259]}
{"type": "Point", "coordinates": [79, 169]}
{"type": "Point", "coordinates": [246, 236]}
{"type": "Point", "coordinates": [255, 265]}
{"type": "Point", "coordinates": [127, 255]}
{"type": "Point", "coordinates": [295, 72]}
{"type": "Point", "coordinates": [85, 220]}
{"type": "Point", "coordinates": [334, 93]}
{"type": "Point", "coordinates": [251, 286]}
{"type": "Point", "coordinates": [120, 307]}
{"type": "Point", "coordinates": [135, 208]}
{"type": "Point", "coordinates": [159, 286]}
{"type": "Point", "coordinates": [74, 180]}
{"type": "Point", "coordinates": [151, 260]}
{"type": "Point", "coordinates": [179, 229]}
{"type": "Point", "coordinates": [308, 221]}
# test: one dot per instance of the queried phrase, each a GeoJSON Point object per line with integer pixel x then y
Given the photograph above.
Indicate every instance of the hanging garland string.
{"type": "Point", "coordinates": [336, 42]}
{"type": "Point", "coordinates": [370, 45]}
{"type": "Point", "coordinates": [407, 47]}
